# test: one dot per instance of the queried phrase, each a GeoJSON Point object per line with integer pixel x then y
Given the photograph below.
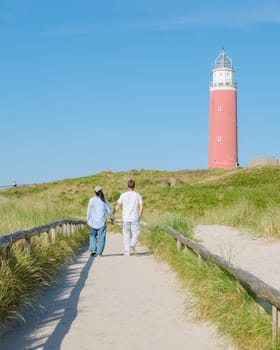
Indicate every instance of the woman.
{"type": "Point", "coordinates": [97, 209]}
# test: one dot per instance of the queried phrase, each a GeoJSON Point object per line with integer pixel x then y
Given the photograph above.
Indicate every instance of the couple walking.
{"type": "Point", "coordinates": [132, 210]}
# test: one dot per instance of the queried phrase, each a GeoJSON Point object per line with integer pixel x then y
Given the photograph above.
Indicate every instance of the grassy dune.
{"type": "Point", "coordinates": [216, 295]}
{"type": "Point", "coordinates": [243, 198]}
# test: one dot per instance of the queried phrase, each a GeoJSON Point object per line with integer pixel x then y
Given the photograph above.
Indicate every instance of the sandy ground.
{"type": "Point", "coordinates": [259, 256]}
{"type": "Point", "coordinates": [114, 302]}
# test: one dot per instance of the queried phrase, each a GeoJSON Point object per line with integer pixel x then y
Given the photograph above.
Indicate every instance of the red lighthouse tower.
{"type": "Point", "coordinates": [222, 151]}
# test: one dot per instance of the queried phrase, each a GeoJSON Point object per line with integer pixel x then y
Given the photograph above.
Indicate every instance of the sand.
{"type": "Point", "coordinates": [259, 256]}
{"type": "Point", "coordinates": [126, 302]}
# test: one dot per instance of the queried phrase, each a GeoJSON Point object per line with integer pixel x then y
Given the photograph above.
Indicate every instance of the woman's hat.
{"type": "Point", "coordinates": [98, 189]}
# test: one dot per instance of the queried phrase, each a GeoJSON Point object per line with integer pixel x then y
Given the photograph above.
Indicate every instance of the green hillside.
{"type": "Point", "coordinates": [245, 198]}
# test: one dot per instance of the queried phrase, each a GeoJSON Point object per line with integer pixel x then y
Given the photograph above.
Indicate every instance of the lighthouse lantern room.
{"type": "Point", "coordinates": [222, 146]}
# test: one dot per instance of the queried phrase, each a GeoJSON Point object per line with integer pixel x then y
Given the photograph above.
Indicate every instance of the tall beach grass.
{"type": "Point", "coordinates": [244, 198]}
{"type": "Point", "coordinates": [23, 274]}
{"type": "Point", "coordinates": [217, 296]}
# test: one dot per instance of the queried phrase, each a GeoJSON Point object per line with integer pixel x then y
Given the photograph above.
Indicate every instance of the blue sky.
{"type": "Point", "coordinates": [88, 86]}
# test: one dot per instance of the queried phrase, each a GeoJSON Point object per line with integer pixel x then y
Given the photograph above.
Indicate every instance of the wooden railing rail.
{"type": "Point", "coordinates": [247, 280]}
{"type": "Point", "coordinates": [50, 230]}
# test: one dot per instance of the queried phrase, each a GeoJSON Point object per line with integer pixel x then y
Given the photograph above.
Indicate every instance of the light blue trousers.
{"type": "Point", "coordinates": [97, 239]}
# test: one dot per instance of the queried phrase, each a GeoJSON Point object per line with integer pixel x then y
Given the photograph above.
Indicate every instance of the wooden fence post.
{"type": "Point", "coordinates": [179, 245]}
{"type": "Point", "coordinates": [8, 252]}
{"type": "Point", "coordinates": [53, 234]}
{"type": "Point", "coordinates": [47, 236]}
{"type": "Point", "coordinates": [261, 289]}
{"type": "Point", "coordinates": [199, 259]}
{"type": "Point", "coordinates": [275, 323]}
{"type": "Point", "coordinates": [28, 245]}
{"type": "Point", "coordinates": [47, 233]}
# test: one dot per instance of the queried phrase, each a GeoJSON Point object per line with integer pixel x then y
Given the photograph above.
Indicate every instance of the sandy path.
{"type": "Point", "coordinates": [114, 302]}
{"type": "Point", "coordinates": [259, 256]}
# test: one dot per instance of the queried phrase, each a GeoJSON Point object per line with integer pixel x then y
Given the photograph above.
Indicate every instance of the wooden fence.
{"type": "Point", "coordinates": [50, 231]}
{"type": "Point", "coordinates": [262, 290]}
{"type": "Point", "coordinates": [246, 279]}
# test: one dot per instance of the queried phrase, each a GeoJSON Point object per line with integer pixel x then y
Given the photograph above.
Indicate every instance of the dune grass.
{"type": "Point", "coordinates": [216, 295]}
{"type": "Point", "coordinates": [23, 274]}
{"type": "Point", "coordinates": [244, 198]}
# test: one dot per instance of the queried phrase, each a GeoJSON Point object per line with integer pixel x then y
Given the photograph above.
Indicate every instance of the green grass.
{"type": "Point", "coordinates": [218, 297]}
{"type": "Point", "coordinates": [23, 274]}
{"type": "Point", "coordinates": [243, 198]}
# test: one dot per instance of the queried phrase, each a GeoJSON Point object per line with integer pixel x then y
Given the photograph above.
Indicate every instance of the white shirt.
{"type": "Point", "coordinates": [130, 202]}
{"type": "Point", "coordinates": [96, 212]}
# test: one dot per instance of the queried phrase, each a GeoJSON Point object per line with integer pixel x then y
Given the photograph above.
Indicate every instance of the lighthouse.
{"type": "Point", "coordinates": [222, 143]}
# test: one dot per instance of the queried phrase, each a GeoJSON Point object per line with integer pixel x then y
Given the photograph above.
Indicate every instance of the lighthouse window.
{"type": "Point", "coordinates": [219, 138]}
{"type": "Point", "coordinates": [219, 108]}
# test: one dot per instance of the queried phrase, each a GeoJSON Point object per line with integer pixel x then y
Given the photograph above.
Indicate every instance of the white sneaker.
{"type": "Point", "coordinates": [126, 252]}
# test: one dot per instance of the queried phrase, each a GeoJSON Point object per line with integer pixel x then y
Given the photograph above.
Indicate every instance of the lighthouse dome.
{"type": "Point", "coordinates": [223, 61]}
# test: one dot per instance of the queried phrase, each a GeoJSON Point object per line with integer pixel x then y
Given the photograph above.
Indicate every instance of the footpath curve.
{"type": "Point", "coordinates": [114, 302]}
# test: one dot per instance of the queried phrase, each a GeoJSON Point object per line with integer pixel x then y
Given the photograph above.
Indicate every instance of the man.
{"type": "Point", "coordinates": [132, 210]}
